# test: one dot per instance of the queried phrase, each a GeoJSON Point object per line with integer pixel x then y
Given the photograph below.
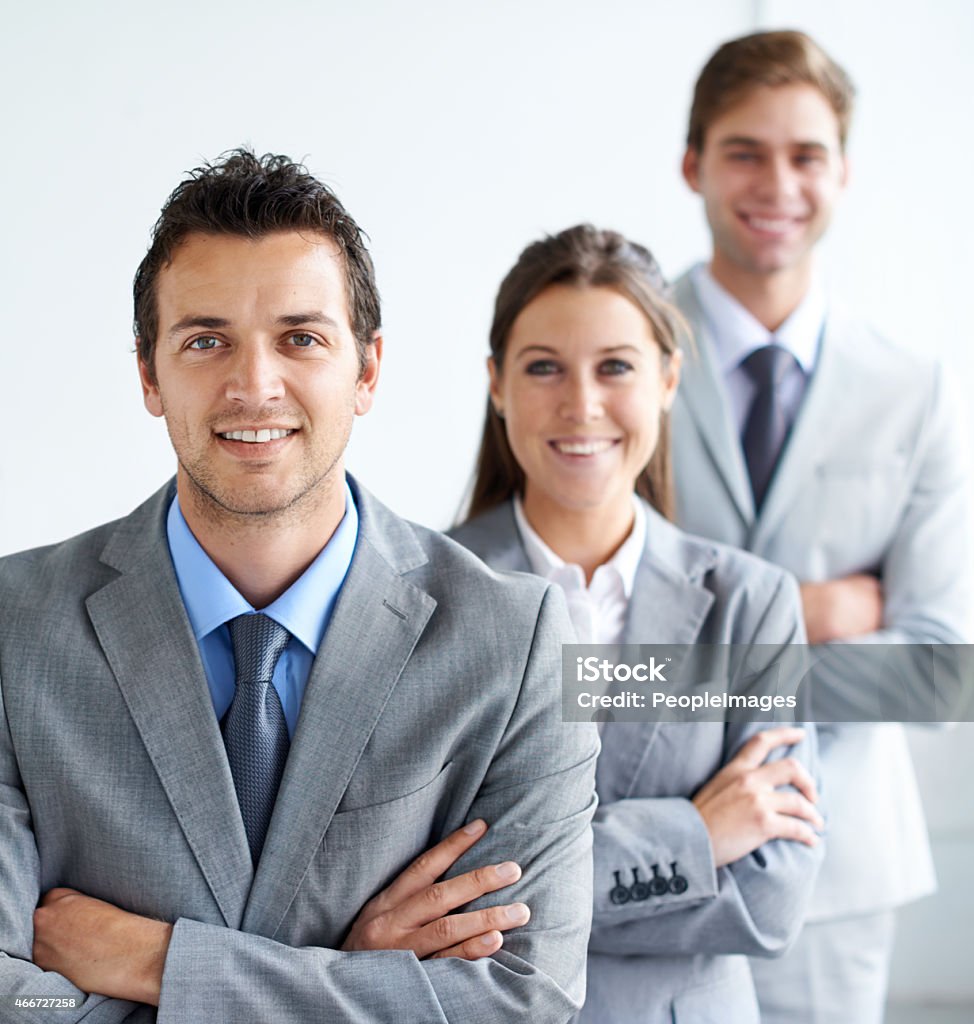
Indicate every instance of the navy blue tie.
{"type": "Point", "coordinates": [767, 425]}
{"type": "Point", "coordinates": [254, 729]}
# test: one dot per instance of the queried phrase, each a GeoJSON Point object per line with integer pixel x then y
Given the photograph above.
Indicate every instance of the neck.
{"type": "Point", "coordinates": [769, 297]}
{"type": "Point", "coordinates": [586, 537]}
{"type": "Point", "coordinates": [261, 555]}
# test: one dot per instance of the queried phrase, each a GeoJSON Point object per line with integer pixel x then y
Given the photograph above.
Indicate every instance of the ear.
{"type": "Point", "coordinates": [671, 379]}
{"type": "Point", "coordinates": [691, 168]}
{"type": "Point", "coordinates": [495, 387]}
{"type": "Point", "coordinates": [845, 172]}
{"type": "Point", "coordinates": [365, 387]}
{"type": "Point", "coordinates": [150, 390]}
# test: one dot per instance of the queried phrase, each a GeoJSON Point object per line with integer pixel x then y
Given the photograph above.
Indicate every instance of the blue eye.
{"type": "Point", "coordinates": [303, 340]}
{"type": "Point", "coordinates": [204, 344]}
{"type": "Point", "coordinates": [541, 368]}
{"type": "Point", "coordinates": [614, 367]}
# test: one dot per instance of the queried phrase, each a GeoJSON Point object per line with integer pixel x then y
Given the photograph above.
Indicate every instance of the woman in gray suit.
{"type": "Point", "coordinates": [705, 838]}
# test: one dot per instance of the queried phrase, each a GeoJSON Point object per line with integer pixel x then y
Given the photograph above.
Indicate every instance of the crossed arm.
{"type": "Point", "coordinates": [103, 948]}
{"type": "Point", "coordinates": [537, 794]}
{"type": "Point", "coordinates": [921, 596]}
{"type": "Point", "coordinates": [843, 608]}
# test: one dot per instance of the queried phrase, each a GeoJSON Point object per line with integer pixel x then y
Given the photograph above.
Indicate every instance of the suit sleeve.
{"type": "Point", "coordinates": [755, 905]}
{"type": "Point", "coordinates": [538, 796]}
{"type": "Point", "coordinates": [913, 669]}
{"type": "Point", "coordinates": [19, 895]}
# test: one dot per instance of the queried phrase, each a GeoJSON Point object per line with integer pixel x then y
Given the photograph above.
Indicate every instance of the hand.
{"type": "Point", "coordinates": [843, 608]}
{"type": "Point", "coordinates": [414, 911]}
{"type": "Point", "coordinates": [99, 947]}
{"type": "Point", "coordinates": [742, 806]}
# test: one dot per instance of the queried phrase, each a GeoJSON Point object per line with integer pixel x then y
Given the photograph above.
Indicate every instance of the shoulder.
{"type": "Point", "coordinates": [746, 589]}
{"type": "Point", "coordinates": [72, 565]}
{"type": "Point", "coordinates": [450, 571]}
{"type": "Point", "coordinates": [879, 356]}
{"type": "Point", "coordinates": [489, 532]}
{"type": "Point", "coordinates": [49, 579]}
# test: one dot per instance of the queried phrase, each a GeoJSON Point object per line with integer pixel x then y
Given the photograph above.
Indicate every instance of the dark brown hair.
{"type": "Point", "coordinates": [582, 257]}
{"type": "Point", "coordinates": [767, 58]}
{"type": "Point", "coordinates": [250, 196]}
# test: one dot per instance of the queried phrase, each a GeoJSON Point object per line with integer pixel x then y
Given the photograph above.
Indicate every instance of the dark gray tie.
{"type": "Point", "coordinates": [254, 729]}
{"type": "Point", "coordinates": [767, 424]}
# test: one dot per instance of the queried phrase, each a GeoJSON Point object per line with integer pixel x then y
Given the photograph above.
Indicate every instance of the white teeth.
{"type": "Point", "coordinates": [256, 436]}
{"type": "Point", "coordinates": [763, 224]}
{"type": "Point", "coordinates": [582, 447]}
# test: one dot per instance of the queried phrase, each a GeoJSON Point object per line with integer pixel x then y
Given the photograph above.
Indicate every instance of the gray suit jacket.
{"type": "Point", "coordinates": [873, 479]}
{"type": "Point", "coordinates": [434, 699]}
{"type": "Point", "coordinates": [670, 958]}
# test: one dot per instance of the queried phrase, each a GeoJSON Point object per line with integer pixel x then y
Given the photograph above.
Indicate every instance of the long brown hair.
{"type": "Point", "coordinates": [583, 257]}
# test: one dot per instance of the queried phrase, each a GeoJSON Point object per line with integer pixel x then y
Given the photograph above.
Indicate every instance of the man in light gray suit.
{"type": "Point", "coordinates": [812, 442]}
{"type": "Point", "coordinates": [216, 807]}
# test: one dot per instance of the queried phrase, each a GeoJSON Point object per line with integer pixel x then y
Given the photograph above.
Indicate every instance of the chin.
{"type": "Point", "coordinates": [581, 502]}
{"type": "Point", "coordinates": [247, 500]}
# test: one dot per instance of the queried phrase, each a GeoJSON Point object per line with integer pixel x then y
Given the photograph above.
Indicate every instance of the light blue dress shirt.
{"type": "Point", "coordinates": [304, 609]}
{"type": "Point", "coordinates": [737, 334]}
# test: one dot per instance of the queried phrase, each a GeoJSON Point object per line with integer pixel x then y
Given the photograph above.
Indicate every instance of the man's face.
{"type": "Point", "coordinates": [256, 371]}
{"type": "Point", "coordinates": [770, 172]}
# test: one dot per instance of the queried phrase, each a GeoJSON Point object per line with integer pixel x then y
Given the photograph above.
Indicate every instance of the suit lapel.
{"type": "Point", "coordinates": [668, 606]}
{"type": "Point", "coordinates": [143, 629]}
{"type": "Point", "coordinates": [376, 623]}
{"type": "Point", "coordinates": [703, 393]}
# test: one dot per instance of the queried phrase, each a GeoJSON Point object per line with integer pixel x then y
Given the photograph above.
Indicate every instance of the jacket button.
{"type": "Point", "coordinates": [619, 893]}
{"type": "Point", "coordinates": [677, 883]}
{"type": "Point", "coordinates": [657, 884]}
{"type": "Point", "coordinates": [639, 890]}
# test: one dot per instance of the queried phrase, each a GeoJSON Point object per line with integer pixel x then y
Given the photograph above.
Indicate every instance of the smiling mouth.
{"type": "Point", "coordinates": [256, 436]}
{"type": "Point", "coordinates": [771, 225]}
{"type": "Point", "coordinates": [593, 447]}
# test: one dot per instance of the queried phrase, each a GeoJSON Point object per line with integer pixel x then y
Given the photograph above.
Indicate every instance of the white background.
{"type": "Point", "coordinates": [455, 133]}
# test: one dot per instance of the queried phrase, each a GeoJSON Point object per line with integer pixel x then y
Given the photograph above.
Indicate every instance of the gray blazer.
{"type": "Point", "coordinates": [670, 958]}
{"type": "Point", "coordinates": [873, 479]}
{"type": "Point", "coordinates": [434, 699]}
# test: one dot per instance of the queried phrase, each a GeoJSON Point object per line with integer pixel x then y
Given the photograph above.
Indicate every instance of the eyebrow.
{"type": "Point", "coordinates": [746, 140]}
{"type": "Point", "coordinates": [214, 323]}
{"type": "Point", "coordinates": [314, 316]}
{"type": "Point", "coordinates": [601, 351]}
{"type": "Point", "coordinates": [211, 323]}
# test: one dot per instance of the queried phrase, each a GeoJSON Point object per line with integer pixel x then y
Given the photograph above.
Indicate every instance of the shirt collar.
{"type": "Point", "coordinates": [546, 563]}
{"type": "Point", "coordinates": [303, 609]}
{"type": "Point", "coordinates": [737, 333]}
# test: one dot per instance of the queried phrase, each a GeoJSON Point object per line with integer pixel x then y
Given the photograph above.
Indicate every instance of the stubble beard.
{"type": "Point", "coordinates": [243, 508]}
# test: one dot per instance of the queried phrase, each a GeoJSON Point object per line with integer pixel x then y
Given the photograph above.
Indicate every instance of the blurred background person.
{"type": "Point", "coordinates": [807, 438]}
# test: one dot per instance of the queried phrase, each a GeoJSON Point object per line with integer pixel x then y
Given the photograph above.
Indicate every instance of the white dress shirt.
{"type": "Point", "coordinates": [597, 610]}
{"type": "Point", "coordinates": [737, 334]}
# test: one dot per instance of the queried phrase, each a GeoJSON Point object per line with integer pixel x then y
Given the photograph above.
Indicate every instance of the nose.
{"type": "Point", "coordinates": [255, 376]}
{"type": "Point", "coordinates": [581, 400]}
{"type": "Point", "coordinates": [780, 180]}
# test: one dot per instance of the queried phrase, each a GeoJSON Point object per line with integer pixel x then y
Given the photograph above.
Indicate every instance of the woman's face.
{"type": "Point", "coordinates": [583, 388]}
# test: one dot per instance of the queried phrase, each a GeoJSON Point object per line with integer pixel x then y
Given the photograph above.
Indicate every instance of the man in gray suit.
{"type": "Point", "coordinates": [812, 442]}
{"type": "Point", "coordinates": [216, 807]}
